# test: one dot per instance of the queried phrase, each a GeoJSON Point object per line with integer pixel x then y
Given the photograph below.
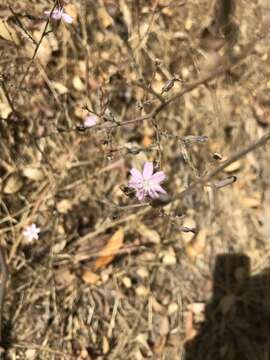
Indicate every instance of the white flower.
{"type": "Point", "coordinates": [58, 14]}
{"type": "Point", "coordinates": [146, 183]}
{"type": "Point", "coordinates": [90, 121]}
{"type": "Point", "coordinates": [31, 232]}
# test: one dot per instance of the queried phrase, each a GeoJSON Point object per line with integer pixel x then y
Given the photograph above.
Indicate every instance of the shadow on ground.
{"type": "Point", "coordinates": [237, 319]}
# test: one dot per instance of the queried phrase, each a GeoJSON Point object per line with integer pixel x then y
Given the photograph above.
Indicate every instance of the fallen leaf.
{"type": "Point", "coordinates": [31, 354]}
{"type": "Point", "coordinates": [188, 23]}
{"type": "Point", "coordinates": [7, 33]}
{"type": "Point", "coordinates": [197, 246]}
{"type": "Point", "coordinates": [235, 166]}
{"type": "Point", "coordinates": [149, 234]}
{"type": "Point", "coordinates": [190, 331]}
{"type": "Point", "coordinates": [5, 108]}
{"type": "Point", "coordinates": [59, 87]}
{"type": "Point", "coordinates": [33, 173]}
{"type": "Point", "coordinates": [172, 308]}
{"type": "Point", "coordinates": [59, 246]}
{"type": "Point", "coordinates": [197, 308]}
{"type": "Point", "coordinates": [250, 202]}
{"type": "Point", "coordinates": [164, 326]}
{"type": "Point", "coordinates": [90, 277]}
{"type": "Point", "coordinates": [127, 282]}
{"type": "Point", "coordinates": [143, 340]}
{"type": "Point", "coordinates": [142, 291]}
{"type": "Point", "coordinates": [159, 345]}
{"type": "Point", "coordinates": [142, 273]}
{"type": "Point", "coordinates": [78, 84]}
{"type": "Point", "coordinates": [105, 345]}
{"type": "Point", "coordinates": [104, 18]}
{"type": "Point", "coordinates": [13, 184]}
{"type": "Point", "coordinates": [166, 10]}
{"type": "Point", "coordinates": [107, 254]}
{"type": "Point", "coordinates": [157, 307]}
{"type": "Point", "coordinates": [169, 257]}
{"type": "Point", "coordinates": [147, 141]}
{"type": "Point", "coordinates": [64, 206]}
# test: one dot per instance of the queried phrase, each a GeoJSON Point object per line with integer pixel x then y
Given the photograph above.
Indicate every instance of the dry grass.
{"type": "Point", "coordinates": [62, 301]}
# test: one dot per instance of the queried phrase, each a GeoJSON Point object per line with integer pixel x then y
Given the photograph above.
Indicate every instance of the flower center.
{"type": "Point", "coordinates": [146, 185]}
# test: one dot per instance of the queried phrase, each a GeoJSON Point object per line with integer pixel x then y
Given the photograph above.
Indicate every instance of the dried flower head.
{"type": "Point", "coordinates": [31, 232]}
{"type": "Point", "coordinates": [58, 14]}
{"type": "Point", "coordinates": [146, 183]}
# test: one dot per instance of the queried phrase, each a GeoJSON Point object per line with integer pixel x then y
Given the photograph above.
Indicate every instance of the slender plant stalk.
{"type": "Point", "coordinates": [4, 272]}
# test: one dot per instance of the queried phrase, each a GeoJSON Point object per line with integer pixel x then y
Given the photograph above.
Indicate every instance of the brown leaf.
{"type": "Point", "coordinates": [33, 173]}
{"type": "Point", "coordinates": [157, 307]}
{"type": "Point", "coordinates": [107, 254]}
{"type": "Point", "coordinates": [164, 327]}
{"type": "Point", "coordinates": [147, 141]}
{"type": "Point", "coordinates": [196, 307]}
{"type": "Point", "coordinates": [197, 245]}
{"type": "Point", "coordinates": [159, 345]}
{"type": "Point", "coordinates": [250, 202]}
{"type": "Point", "coordinates": [105, 345]}
{"type": "Point", "coordinates": [5, 108]}
{"type": "Point", "coordinates": [190, 331]}
{"type": "Point", "coordinates": [195, 314]}
{"type": "Point", "coordinates": [7, 32]}
{"type": "Point", "coordinates": [13, 184]}
{"type": "Point", "coordinates": [104, 18]}
{"type": "Point", "coordinates": [198, 310]}
{"type": "Point", "coordinates": [149, 234]}
{"type": "Point", "coordinates": [235, 166]}
{"type": "Point", "coordinates": [64, 206]}
{"type": "Point", "coordinates": [90, 277]}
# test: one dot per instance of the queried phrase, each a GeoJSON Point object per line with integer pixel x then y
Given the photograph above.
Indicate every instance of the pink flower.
{"type": "Point", "coordinates": [31, 232]}
{"type": "Point", "coordinates": [90, 121]}
{"type": "Point", "coordinates": [147, 183]}
{"type": "Point", "coordinates": [59, 14]}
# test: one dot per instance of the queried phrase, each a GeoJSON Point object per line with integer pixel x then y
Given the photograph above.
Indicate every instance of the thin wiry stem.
{"type": "Point", "coordinates": [227, 66]}
{"type": "Point", "coordinates": [200, 183]}
{"type": "Point", "coordinates": [237, 156]}
{"type": "Point", "coordinates": [44, 33]}
{"type": "Point", "coordinates": [4, 271]}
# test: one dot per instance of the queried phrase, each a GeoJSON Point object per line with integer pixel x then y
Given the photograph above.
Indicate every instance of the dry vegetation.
{"type": "Point", "coordinates": [110, 278]}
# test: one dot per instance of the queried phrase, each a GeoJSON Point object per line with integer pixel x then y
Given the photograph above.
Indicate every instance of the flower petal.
{"type": "Point", "coordinates": [158, 188]}
{"type": "Point", "coordinates": [31, 232]}
{"type": "Point", "coordinates": [134, 185]}
{"type": "Point", "coordinates": [152, 193]}
{"type": "Point", "coordinates": [90, 121]}
{"type": "Point", "coordinates": [136, 174]}
{"type": "Point", "coordinates": [158, 177]}
{"type": "Point", "coordinates": [140, 194]}
{"type": "Point", "coordinates": [67, 18]}
{"type": "Point", "coordinates": [148, 170]}
{"type": "Point", "coordinates": [56, 14]}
